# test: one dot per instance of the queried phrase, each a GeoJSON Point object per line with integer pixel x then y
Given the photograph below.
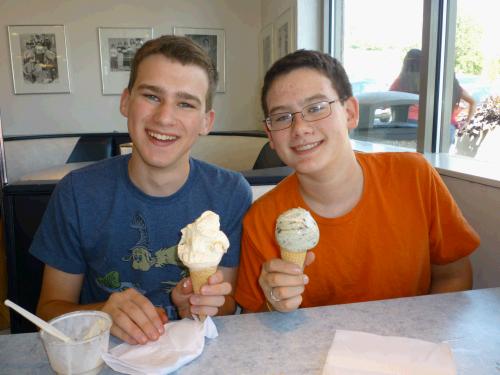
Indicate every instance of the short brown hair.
{"type": "Point", "coordinates": [180, 49]}
{"type": "Point", "coordinates": [325, 64]}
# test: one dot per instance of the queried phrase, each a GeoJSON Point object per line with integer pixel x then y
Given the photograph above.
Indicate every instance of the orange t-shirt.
{"type": "Point", "coordinates": [405, 221]}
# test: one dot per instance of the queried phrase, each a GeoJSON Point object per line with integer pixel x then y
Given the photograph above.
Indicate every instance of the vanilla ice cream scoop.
{"type": "Point", "coordinates": [296, 230]}
{"type": "Point", "coordinates": [202, 244]}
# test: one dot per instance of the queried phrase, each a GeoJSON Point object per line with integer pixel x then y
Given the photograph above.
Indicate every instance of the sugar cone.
{"type": "Point", "coordinates": [199, 277]}
{"type": "Point", "coordinates": [297, 257]}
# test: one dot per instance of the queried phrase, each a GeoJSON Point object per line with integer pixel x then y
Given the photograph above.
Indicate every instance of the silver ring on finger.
{"type": "Point", "coordinates": [273, 297]}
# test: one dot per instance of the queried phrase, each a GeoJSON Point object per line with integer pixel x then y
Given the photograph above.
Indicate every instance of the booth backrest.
{"type": "Point", "coordinates": [26, 155]}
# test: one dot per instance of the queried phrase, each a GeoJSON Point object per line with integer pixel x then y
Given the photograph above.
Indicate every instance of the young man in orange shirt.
{"type": "Point", "coordinates": [388, 226]}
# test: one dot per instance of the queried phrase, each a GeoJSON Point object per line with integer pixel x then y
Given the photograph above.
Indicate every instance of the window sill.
{"type": "Point", "coordinates": [461, 167]}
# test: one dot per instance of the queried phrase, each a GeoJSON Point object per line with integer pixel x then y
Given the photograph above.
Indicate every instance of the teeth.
{"type": "Point", "coordinates": [307, 146]}
{"type": "Point", "coordinates": [162, 137]}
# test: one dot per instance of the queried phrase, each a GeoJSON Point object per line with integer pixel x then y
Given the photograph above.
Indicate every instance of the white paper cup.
{"type": "Point", "coordinates": [83, 354]}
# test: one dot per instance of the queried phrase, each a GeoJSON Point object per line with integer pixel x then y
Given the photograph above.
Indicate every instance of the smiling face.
{"type": "Point", "coordinates": [166, 114]}
{"type": "Point", "coordinates": [311, 147]}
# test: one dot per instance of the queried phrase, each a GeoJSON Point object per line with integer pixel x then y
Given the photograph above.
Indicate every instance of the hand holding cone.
{"type": "Point", "coordinates": [199, 277]}
{"type": "Point", "coordinates": [201, 248]}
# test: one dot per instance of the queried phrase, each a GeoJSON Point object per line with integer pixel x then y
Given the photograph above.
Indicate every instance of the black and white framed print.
{"type": "Point", "coordinates": [39, 59]}
{"type": "Point", "coordinates": [213, 41]}
{"type": "Point", "coordinates": [118, 47]}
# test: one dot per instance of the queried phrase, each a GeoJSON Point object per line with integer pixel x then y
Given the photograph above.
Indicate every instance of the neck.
{"type": "Point", "coordinates": [334, 192]}
{"type": "Point", "coordinates": [158, 182]}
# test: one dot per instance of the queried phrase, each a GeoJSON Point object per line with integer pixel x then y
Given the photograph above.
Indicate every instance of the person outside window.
{"type": "Point", "coordinates": [409, 81]}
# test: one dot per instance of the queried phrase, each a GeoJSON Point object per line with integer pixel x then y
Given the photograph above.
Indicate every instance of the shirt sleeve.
{"type": "Point", "coordinates": [451, 236]}
{"type": "Point", "coordinates": [57, 240]}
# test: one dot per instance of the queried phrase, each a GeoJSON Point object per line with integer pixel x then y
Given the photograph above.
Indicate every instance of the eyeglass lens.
{"type": "Point", "coordinates": [312, 112]}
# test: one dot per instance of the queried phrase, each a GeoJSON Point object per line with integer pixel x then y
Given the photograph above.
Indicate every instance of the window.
{"type": "Point", "coordinates": [383, 66]}
{"type": "Point", "coordinates": [423, 105]}
{"type": "Point", "coordinates": [474, 122]}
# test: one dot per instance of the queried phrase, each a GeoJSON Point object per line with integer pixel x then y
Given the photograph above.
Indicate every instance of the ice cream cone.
{"type": "Point", "coordinates": [199, 277]}
{"type": "Point", "coordinates": [297, 257]}
{"type": "Point", "coordinates": [201, 248]}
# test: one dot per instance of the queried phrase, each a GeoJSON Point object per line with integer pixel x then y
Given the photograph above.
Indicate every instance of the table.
{"type": "Point", "coordinates": [298, 342]}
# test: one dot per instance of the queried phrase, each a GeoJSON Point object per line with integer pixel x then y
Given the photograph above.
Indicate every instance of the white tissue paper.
{"type": "Point", "coordinates": [182, 342]}
{"type": "Point", "coordinates": [360, 353]}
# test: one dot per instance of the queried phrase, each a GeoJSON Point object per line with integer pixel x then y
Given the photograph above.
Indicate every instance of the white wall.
{"type": "Point", "coordinates": [85, 109]}
{"type": "Point", "coordinates": [480, 205]}
{"type": "Point", "coordinates": [309, 24]}
{"type": "Point", "coordinates": [307, 20]}
{"type": "Point", "coordinates": [272, 9]}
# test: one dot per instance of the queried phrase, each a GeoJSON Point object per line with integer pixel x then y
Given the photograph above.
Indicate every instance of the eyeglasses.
{"type": "Point", "coordinates": [311, 112]}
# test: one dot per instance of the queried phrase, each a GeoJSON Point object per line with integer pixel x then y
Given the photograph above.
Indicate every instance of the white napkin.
{"type": "Point", "coordinates": [182, 342]}
{"type": "Point", "coordinates": [360, 353]}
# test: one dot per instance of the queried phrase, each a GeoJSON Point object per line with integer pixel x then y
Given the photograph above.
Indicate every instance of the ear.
{"type": "Point", "coordinates": [208, 122]}
{"type": "Point", "coordinates": [124, 99]}
{"type": "Point", "coordinates": [351, 106]}
{"type": "Point", "coordinates": [269, 136]}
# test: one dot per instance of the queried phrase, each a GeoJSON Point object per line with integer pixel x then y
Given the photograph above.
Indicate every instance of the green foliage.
{"type": "Point", "coordinates": [469, 58]}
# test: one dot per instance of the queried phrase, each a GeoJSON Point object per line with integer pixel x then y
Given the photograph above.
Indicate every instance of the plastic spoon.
{"type": "Point", "coordinates": [37, 321]}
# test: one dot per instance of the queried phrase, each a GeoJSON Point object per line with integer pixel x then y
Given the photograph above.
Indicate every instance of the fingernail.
{"type": "Point", "coordinates": [185, 284]}
{"type": "Point", "coordinates": [306, 279]}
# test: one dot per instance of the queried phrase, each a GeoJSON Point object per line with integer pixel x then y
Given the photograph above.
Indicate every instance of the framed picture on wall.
{"type": "Point", "coordinates": [38, 58]}
{"type": "Point", "coordinates": [283, 34]}
{"type": "Point", "coordinates": [214, 42]}
{"type": "Point", "coordinates": [118, 47]}
{"type": "Point", "coordinates": [266, 49]}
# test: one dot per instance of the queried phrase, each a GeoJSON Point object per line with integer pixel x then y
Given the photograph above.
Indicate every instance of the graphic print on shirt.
{"type": "Point", "coordinates": [111, 283]}
{"type": "Point", "coordinates": [143, 259]}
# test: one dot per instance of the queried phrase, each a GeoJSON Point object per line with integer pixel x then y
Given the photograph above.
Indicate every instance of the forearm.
{"type": "Point", "coordinates": [453, 277]}
{"type": "Point", "coordinates": [450, 285]}
{"type": "Point", "coordinates": [470, 113]}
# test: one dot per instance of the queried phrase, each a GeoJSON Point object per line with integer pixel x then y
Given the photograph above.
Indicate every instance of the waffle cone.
{"type": "Point", "coordinates": [199, 277]}
{"type": "Point", "coordinates": [297, 257]}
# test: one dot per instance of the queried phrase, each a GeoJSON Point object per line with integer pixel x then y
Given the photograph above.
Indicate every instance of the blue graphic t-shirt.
{"type": "Point", "coordinates": [100, 224]}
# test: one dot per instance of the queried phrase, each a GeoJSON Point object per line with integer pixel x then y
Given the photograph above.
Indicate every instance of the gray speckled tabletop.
{"type": "Point", "coordinates": [298, 342]}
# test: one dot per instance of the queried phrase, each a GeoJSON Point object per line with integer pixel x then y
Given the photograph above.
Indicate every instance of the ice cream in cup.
{"type": "Point", "coordinates": [89, 333]}
{"type": "Point", "coordinates": [296, 232]}
{"type": "Point", "coordinates": [201, 248]}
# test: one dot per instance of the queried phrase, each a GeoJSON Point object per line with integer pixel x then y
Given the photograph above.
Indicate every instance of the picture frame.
{"type": "Point", "coordinates": [284, 34]}
{"type": "Point", "coordinates": [266, 48]}
{"type": "Point", "coordinates": [117, 47]}
{"type": "Point", "coordinates": [214, 42]}
{"type": "Point", "coordinates": [38, 59]}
